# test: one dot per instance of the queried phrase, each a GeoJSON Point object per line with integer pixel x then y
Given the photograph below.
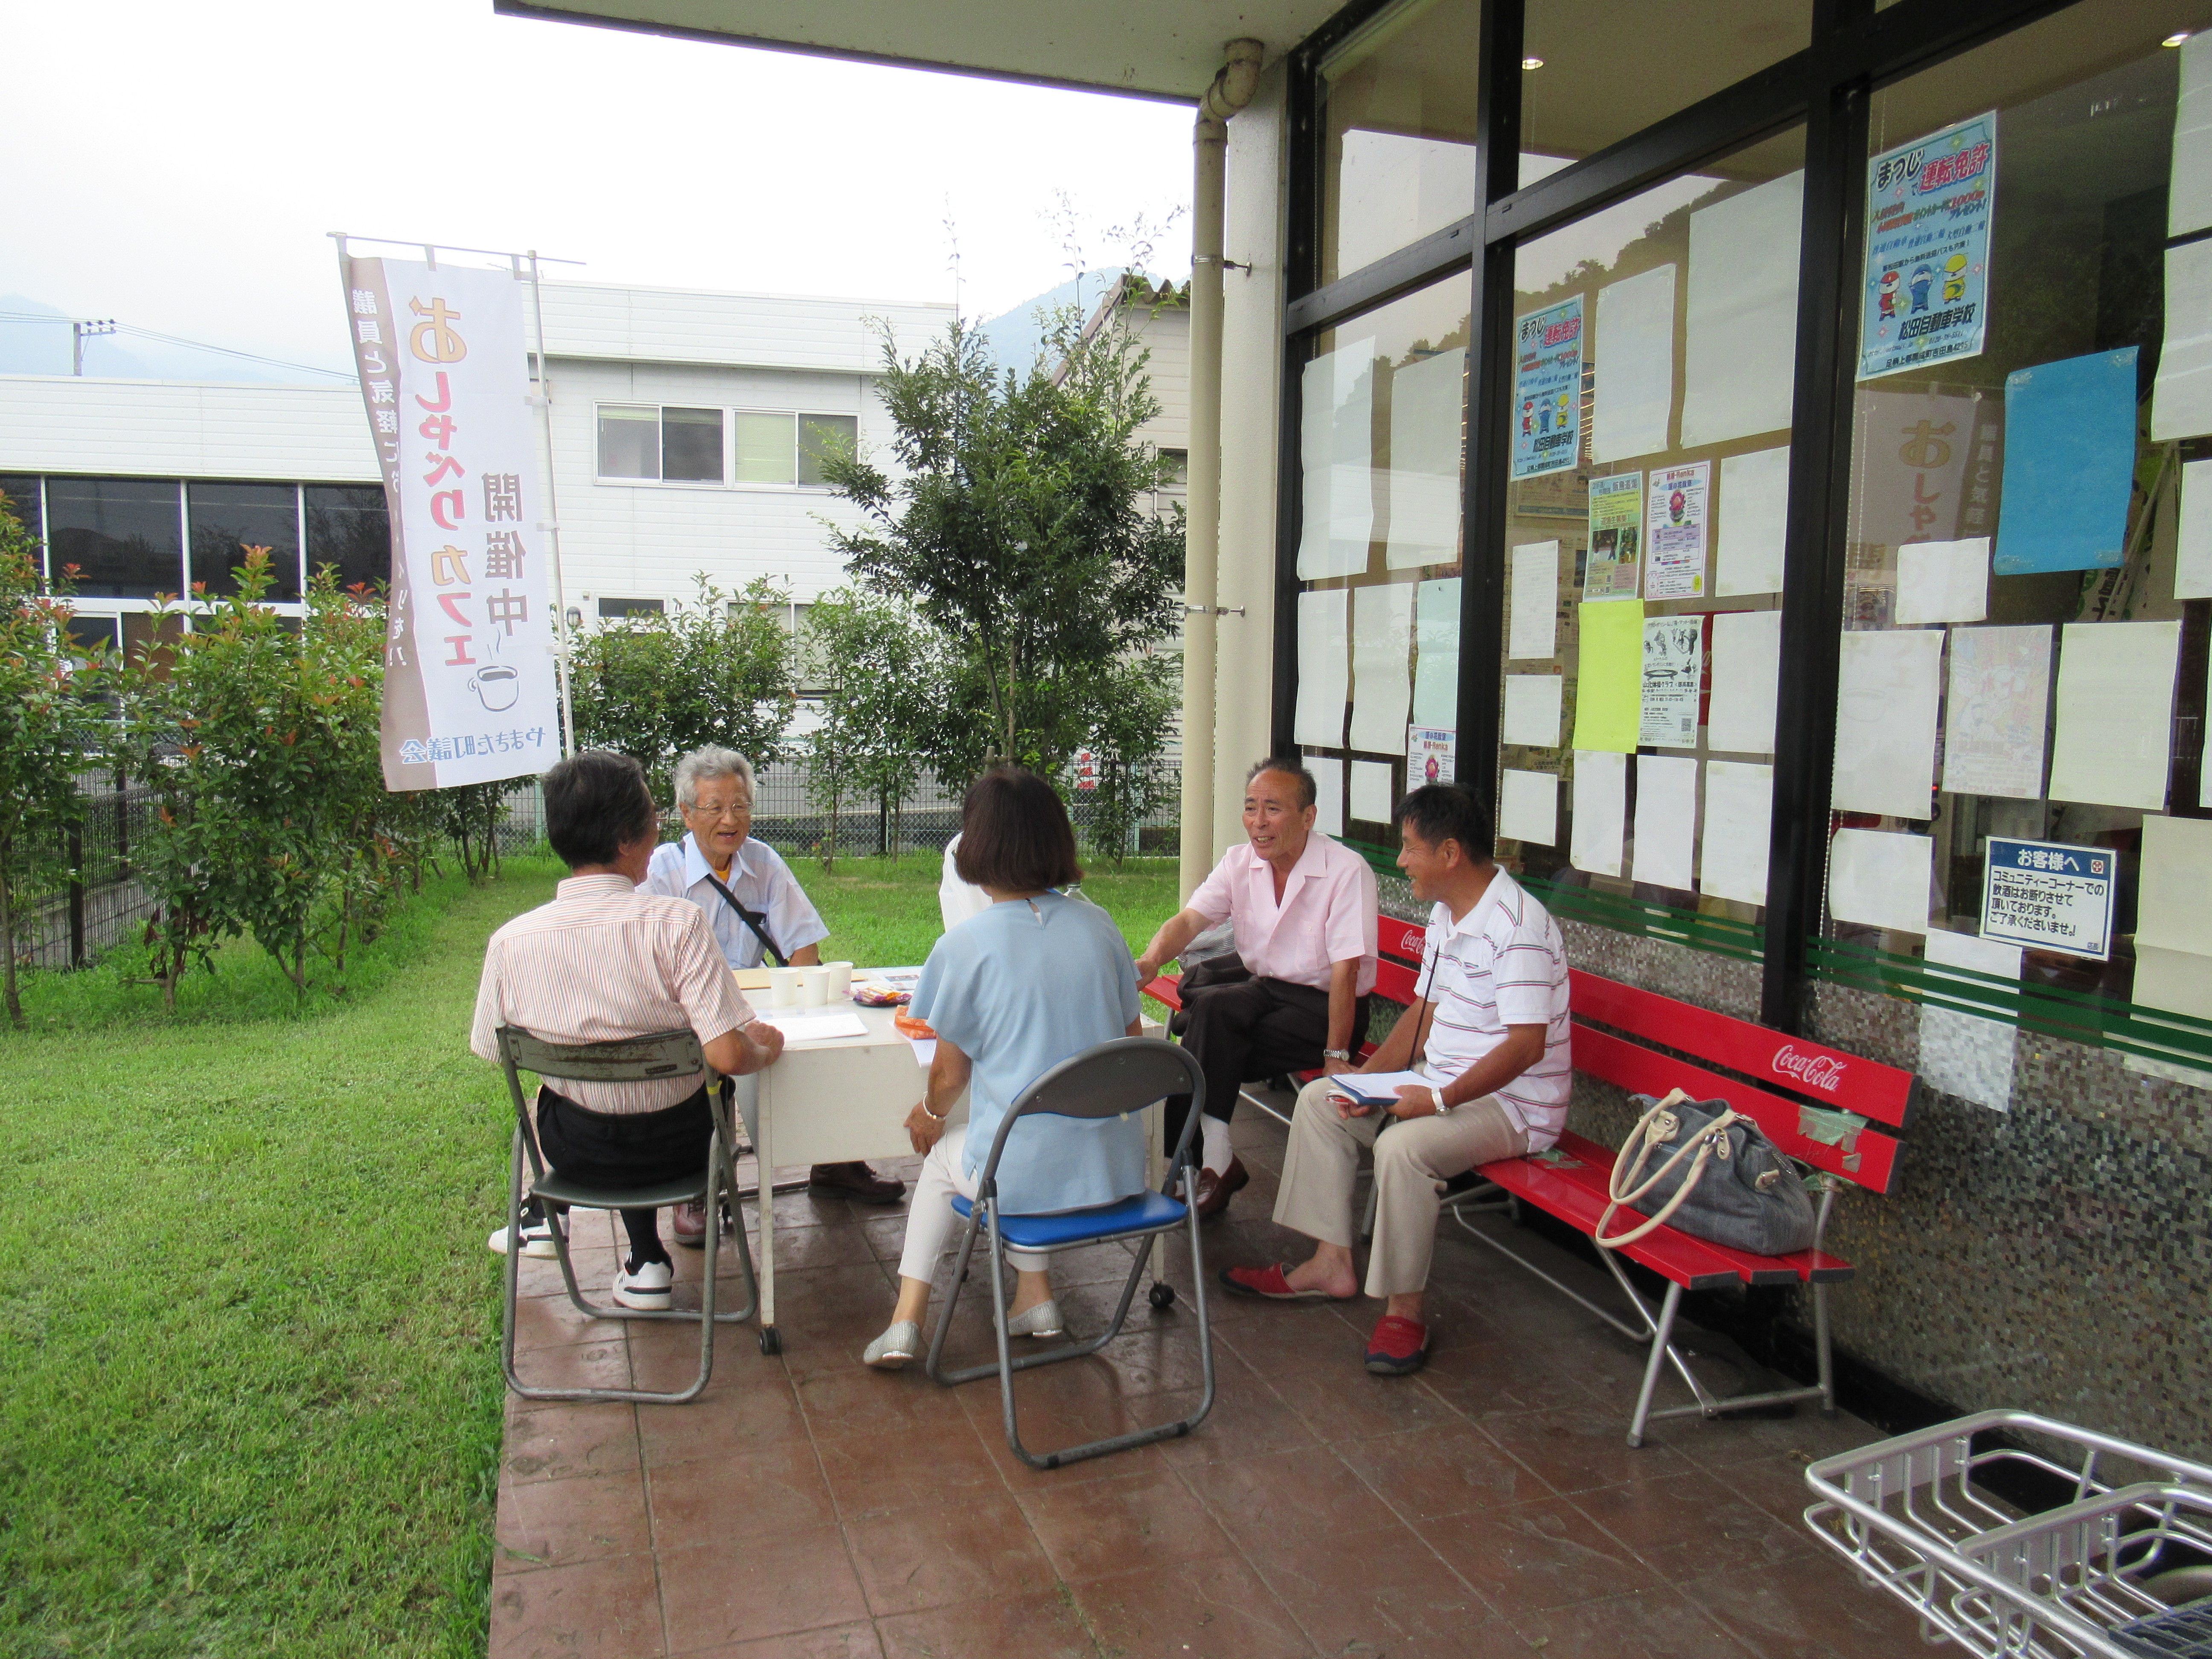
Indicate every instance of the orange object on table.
{"type": "Point", "coordinates": [908, 1025]}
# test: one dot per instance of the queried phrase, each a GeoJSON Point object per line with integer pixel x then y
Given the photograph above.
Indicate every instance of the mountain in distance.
{"type": "Point", "coordinates": [1017, 338]}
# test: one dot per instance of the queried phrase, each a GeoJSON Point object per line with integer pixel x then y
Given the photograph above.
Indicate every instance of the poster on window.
{"type": "Point", "coordinates": [1674, 531]}
{"type": "Point", "coordinates": [1548, 389]}
{"type": "Point", "coordinates": [1616, 537]}
{"type": "Point", "coordinates": [470, 693]}
{"type": "Point", "coordinates": [1929, 205]}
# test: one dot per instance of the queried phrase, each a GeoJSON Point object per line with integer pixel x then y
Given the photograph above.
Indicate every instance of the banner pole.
{"type": "Point", "coordinates": [551, 523]}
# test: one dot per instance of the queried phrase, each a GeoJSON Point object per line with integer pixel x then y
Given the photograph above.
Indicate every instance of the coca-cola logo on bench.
{"type": "Point", "coordinates": [1821, 1072]}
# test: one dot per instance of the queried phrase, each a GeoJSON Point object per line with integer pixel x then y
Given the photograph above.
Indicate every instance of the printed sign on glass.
{"type": "Point", "coordinates": [1429, 755]}
{"type": "Point", "coordinates": [1616, 537]}
{"type": "Point", "coordinates": [1548, 389]}
{"type": "Point", "coordinates": [2049, 897]}
{"type": "Point", "coordinates": [1674, 531]}
{"type": "Point", "coordinates": [1929, 204]}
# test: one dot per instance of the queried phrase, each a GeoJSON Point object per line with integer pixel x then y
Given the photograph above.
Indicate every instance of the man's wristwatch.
{"type": "Point", "coordinates": [1336, 1053]}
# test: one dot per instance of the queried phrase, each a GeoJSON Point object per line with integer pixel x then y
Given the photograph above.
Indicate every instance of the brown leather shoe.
{"type": "Point", "coordinates": [690, 1226]}
{"type": "Point", "coordinates": [1214, 1191]}
{"type": "Point", "coordinates": [855, 1181]}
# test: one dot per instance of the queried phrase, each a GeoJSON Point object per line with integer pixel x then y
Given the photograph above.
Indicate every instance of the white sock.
{"type": "Point", "coordinates": [1214, 1153]}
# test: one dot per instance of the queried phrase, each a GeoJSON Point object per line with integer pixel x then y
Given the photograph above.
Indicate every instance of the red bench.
{"type": "Point", "coordinates": [1817, 1104]}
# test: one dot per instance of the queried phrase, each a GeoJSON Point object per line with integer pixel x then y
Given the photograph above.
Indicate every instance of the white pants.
{"type": "Point", "coordinates": [929, 1215]}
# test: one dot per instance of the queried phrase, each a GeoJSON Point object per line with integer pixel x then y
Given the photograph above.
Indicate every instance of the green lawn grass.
{"type": "Point", "coordinates": [249, 1391]}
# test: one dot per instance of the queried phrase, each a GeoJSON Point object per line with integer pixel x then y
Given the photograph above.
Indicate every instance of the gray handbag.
{"type": "Point", "coordinates": [1717, 1176]}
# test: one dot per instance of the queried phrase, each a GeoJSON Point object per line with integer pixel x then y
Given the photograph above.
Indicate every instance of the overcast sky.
{"type": "Point", "coordinates": [176, 166]}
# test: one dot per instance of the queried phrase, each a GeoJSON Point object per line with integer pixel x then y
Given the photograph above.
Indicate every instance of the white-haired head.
{"type": "Point", "coordinates": [701, 764]}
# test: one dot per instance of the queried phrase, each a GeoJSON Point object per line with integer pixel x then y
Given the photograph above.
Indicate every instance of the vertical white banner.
{"type": "Point", "coordinates": [470, 693]}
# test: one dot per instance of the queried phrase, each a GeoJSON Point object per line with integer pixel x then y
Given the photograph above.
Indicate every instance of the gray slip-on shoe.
{"type": "Point", "coordinates": [1043, 1320]}
{"type": "Point", "coordinates": [897, 1345]}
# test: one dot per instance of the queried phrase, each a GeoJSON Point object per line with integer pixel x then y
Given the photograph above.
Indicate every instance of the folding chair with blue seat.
{"type": "Point", "coordinates": [628, 1060]}
{"type": "Point", "coordinates": [1125, 1075]}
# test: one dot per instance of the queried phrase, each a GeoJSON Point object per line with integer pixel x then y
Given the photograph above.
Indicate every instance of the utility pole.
{"type": "Point", "coordinates": [80, 332]}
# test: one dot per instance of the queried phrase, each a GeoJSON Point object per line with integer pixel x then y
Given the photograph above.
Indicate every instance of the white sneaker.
{"type": "Point", "coordinates": [536, 1239]}
{"type": "Point", "coordinates": [645, 1288]}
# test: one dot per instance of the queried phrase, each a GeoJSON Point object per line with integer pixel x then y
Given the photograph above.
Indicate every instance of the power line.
{"type": "Point", "coordinates": [176, 340]}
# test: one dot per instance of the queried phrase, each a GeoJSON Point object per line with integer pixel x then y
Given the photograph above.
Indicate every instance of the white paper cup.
{"type": "Point", "coordinates": [813, 987]}
{"type": "Point", "coordinates": [841, 981]}
{"type": "Point", "coordinates": [783, 987]}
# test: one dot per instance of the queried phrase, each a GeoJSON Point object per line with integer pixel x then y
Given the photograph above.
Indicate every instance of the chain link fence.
{"type": "Point", "coordinates": [67, 925]}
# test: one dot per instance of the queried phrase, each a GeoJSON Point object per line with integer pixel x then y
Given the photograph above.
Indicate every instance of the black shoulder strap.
{"type": "Point", "coordinates": [751, 920]}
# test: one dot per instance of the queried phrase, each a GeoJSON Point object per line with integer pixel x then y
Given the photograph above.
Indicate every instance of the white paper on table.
{"type": "Point", "coordinates": [925, 1051]}
{"type": "Point", "coordinates": [1943, 581]}
{"type": "Point", "coordinates": [1739, 366]}
{"type": "Point", "coordinates": [1532, 709]}
{"type": "Point", "coordinates": [1428, 408]}
{"type": "Point", "coordinates": [2114, 742]}
{"type": "Point", "coordinates": [1880, 879]}
{"type": "Point", "coordinates": [1435, 653]}
{"type": "Point", "coordinates": [1963, 1054]}
{"type": "Point", "coordinates": [1739, 823]}
{"type": "Point", "coordinates": [1601, 811]}
{"type": "Point", "coordinates": [1752, 510]}
{"type": "Point", "coordinates": [2181, 396]}
{"type": "Point", "coordinates": [2175, 909]}
{"type": "Point", "coordinates": [1635, 366]}
{"type": "Point", "coordinates": [1323, 674]}
{"type": "Point", "coordinates": [1534, 633]}
{"type": "Point", "coordinates": [2189, 186]}
{"type": "Point", "coordinates": [1887, 689]}
{"type": "Point", "coordinates": [1336, 453]}
{"type": "Point", "coordinates": [1997, 711]}
{"type": "Point", "coordinates": [2193, 553]}
{"type": "Point", "coordinates": [1382, 656]}
{"type": "Point", "coordinates": [1528, 807]}
{"type": "Point", "coordinates": [1747, 670]}
{"type": "Point", "coordinates": [1329, 793]}
{"type": "Point", "coordinates": [1370, 792]}
{"type": "Point", "coordinates": [1665, 821]}
{"type": "Point", "coordinates": [815, 1028]}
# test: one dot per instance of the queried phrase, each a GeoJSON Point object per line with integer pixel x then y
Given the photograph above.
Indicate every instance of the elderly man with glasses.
{"type": "Point", "coordinates": [754, 903]}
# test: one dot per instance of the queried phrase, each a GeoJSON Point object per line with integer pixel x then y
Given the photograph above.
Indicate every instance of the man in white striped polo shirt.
{"type": "Point", "coordinates": [1488, 1032]}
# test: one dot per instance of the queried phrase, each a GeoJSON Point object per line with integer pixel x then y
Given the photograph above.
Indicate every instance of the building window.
{"type": "Point", "coordinates": [88, 634]}
{"type": "Point", "coordinates": [348, 527]}
{"type": "Point", "coordinates": [615, 609]}
{"type": "Point", "coordinates": [765, 454]}
{"type": "Point", "coordinates": [691, 445]}
{"type": "Point", "coordinates": [21, 491]}
{"type": "Point", "coordinates": [228, 518]}
{"type": "Point", "coordinates": [1175, 468]}
{"type": "Point", "coordinates": [126, 536]}
{"type": "Point", "coordinates": [629, 442]}
{"type": "Point", "coordinates": [822, 435]}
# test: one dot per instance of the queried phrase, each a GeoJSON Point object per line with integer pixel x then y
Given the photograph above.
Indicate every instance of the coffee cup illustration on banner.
{"type": "Point", "coordinates": [496, 688]}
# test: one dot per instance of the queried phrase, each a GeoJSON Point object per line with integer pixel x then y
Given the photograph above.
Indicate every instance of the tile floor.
{"type": "Point", "coordinates": [805, 1507]}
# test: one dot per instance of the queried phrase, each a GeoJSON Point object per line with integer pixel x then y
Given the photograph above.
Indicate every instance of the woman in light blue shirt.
{"type": "Point", "coordinates": [1036, 979]}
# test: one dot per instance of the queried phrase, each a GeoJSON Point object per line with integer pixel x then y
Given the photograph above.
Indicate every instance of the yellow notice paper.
{"type": "Point", "coordinates": [1609, 694]}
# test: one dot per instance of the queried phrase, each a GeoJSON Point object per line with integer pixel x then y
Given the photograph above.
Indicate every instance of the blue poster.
{"type": "Point", "coordinates": [1548, 390]}
{"type": "Point", "coordinates": [1929, 207]}
{"type": "Point", "coordinates": [2070, 462]}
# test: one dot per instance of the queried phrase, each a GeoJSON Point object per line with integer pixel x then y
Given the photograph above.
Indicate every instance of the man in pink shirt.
{"type": "Point", "coordinates": [1304, 910]}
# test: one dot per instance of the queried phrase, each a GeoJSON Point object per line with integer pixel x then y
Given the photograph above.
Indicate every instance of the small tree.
{"type": "Point", "coordinates": [50, 727]}
{"type": "Point", "coordinates": [878, 665]}
{"type": "Point", "coordinates": [1136, 701]}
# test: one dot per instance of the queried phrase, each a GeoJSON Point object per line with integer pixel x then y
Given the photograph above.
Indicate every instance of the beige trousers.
{"type": "Point", "coordinates": [1412, 1164]}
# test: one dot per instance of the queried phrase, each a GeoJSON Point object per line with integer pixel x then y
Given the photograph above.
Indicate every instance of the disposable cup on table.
{"type": "Point", "coordinates": [813, 987]}
{"type": "Point", "coordinates": [783, 987]}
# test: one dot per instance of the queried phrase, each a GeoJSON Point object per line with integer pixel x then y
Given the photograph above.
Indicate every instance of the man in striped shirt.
{"type": "Point", "coordinates": [1488, 1035]}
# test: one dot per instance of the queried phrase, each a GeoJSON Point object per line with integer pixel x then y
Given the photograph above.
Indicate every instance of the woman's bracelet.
{"type": "Point", "coordinates": [934, 1117]}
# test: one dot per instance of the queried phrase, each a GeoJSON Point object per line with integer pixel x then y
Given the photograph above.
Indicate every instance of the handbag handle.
{"type": "Point", "coordinates": [1622, 1186]}
{"type": "Point", "coordinates": [750, 920]}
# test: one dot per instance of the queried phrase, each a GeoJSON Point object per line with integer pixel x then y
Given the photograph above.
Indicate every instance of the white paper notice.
{"type": "Point", "coordinates": [1370, 792]}
{"type": "Point", "coordinates": [1879, 879]}
{"type": "Point", "coordinates": [1943, 581]}
{"type": "Point", "coordinates": [1674, 531]}
{"type": "Point", "coordinates": [1533, 631]}
{"type": "Point", "coordinates": [2181, 396]}
{"type": "Point", "coordinates": [1435, 653]}
{"type": "Point", "coordinates": [1997, 713]}
{"type": "Point", "coordinates": [1601, 811]}
{"type": "Point", "coordinates": [1532, 709]}
{"type": "Point", "coordinates": [1752, 515]}
{"type": "Point", "coordinates": [2181, 982]}
{"type": "Point", "coordinates": [1738, 367]}
{"type": "Point", "coordinates": [1635, 366]}
{"type": "Point", "coordinates": [1886, 692]}
{"type": "Point", "coordinates": [1329, 793]}
{"type": "Point", "coordinates": [1665, 820]}
{"type": "Point", "coordinates": [2176, 908]}
{"type": "Point", "coordinates": [2189, 189]}
{"type": "Point", "coordinates": [1382, 645]}
{"type": "Point", "coordinates": [1739, 819]}
{"type": "Point", "coordinates": [1673, 674]}
{"type": "Point", "coordinates": [1746, 669]}
{"type": "Point", "coordinates": [2114, 730]}
{"type": "Point", "coordinates": [2192, 554]}
{"type": "Point", "coordinates": [1336, 452]}
{"type": "Point", "coordinates": [1528, 807]}
{"type": "Point", "coordinates": [1963, 1054]}
{"type": "Point", "coordinates": [1323, 674]}
{"type": "Point", "coordinates": [1428, 408]}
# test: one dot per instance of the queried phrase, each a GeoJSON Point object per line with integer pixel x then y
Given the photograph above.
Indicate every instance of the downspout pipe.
{"type": "Point", "coordinates": [1233, 86]}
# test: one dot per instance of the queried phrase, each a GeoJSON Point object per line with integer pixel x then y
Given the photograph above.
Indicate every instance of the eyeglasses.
{"type": "Point", "coordinates": [708, 809]}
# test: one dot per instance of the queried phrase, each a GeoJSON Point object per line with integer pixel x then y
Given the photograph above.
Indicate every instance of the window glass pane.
{"type": "Point", "coordinates": [1178, 468]}
{"type": "Point", "coordinates": [2022, 663]}
{"type": "Point", "coordinates": [349, 527]}
{"type": "Point", "coordinates": [124, 535]}
{"type": "Point", "coordinates": [227, 518]}
{"type": "Point", "coordinates": [86, 633]}
{"type": "Point", "coordinates": [1397, 131]}
{"type": "Point", "coordinates": [611, 609]}
{"type": "Point", "coordinates": [691, 445]}
{"type": "Point", "coordinates": [764, 448]}
{"type": "Point", "coordinates": [21, 491]}
{"type": "Point", "coordinates": [1655, 358]}
{"type": "Point", "coordinates": [1598, 70]}
{"type": "Point", "coordinates": [629, 442]}
{"type": "Point", "coordinates": [824, 434]}
{"type": "Point", "coordinates": [1380, 445]}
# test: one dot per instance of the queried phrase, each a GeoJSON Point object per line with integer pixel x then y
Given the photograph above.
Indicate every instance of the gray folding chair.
{"type": "Point", "coordinates": [629, 1059]}
{"type": "Point", "coordinates": [1125, 1075]}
